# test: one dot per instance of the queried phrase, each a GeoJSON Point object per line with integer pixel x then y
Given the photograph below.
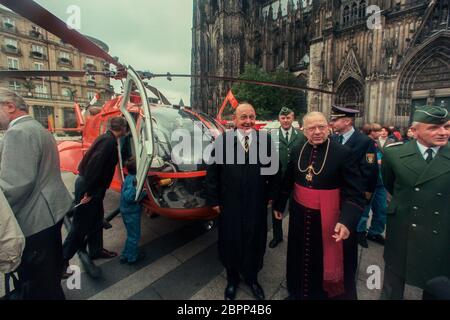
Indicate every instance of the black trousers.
{"type": "Point", "coordinates": [277, 228]}
{"type": "Point", "coordinates": [87, 222]}
{"type": "Point", "coordinates": [393, 285]}
{"type": "Point", "coordinates": [234, 278]}
{"type": "Point", "coordinates": [40, 270]}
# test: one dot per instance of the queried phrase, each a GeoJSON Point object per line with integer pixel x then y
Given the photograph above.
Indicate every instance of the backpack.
{"type": "Point", "coordinates": [12, 240]}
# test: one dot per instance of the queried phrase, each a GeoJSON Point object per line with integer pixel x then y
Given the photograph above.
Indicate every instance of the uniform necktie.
{"type": "Point", "coordinates": [287, 136]}
{"type": "Point", "coordinates": [341, 139]}
{"type": "Point", "coordinates": [246, 143]}
{"type": "Point", "coordinates": [429, 156]}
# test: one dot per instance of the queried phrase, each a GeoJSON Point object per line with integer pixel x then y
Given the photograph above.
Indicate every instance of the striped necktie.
{"type": "Point", "coordinates": [246, 146]}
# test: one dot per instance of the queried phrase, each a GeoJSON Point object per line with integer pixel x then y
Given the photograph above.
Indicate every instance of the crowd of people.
{"type": "Point", "coordinates": [333, 176]}
{"type": "Point", "coordinates": [330, 178]}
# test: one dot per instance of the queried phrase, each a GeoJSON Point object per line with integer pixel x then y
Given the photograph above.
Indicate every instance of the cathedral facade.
{"type": "Point", "coordinates": [382, 56]}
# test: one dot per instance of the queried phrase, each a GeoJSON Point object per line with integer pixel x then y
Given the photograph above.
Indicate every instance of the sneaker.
{"type": "Point", "coordinates": [378, 238]}
{"type": "Point", "coordinates": [362, 240]}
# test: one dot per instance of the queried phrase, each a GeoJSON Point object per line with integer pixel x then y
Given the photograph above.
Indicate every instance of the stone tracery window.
{"type": "Point", "coordinates": [362, 9]}
{"type": "Point", "coordinates": [354, 14]}
{"type": "Point", "coordinates": [346, 15]}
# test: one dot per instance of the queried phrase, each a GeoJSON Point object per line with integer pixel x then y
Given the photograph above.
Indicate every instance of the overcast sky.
{"type": "Point", "coordinates": [150, 35]}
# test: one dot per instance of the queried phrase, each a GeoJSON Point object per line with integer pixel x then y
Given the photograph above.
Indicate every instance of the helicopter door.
{"type": "Point", "coordinates": [141, 130]}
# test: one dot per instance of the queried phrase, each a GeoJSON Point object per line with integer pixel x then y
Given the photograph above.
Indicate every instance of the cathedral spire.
{"type": "Point", "coordinates": [270, 15]}
{"type": "Point", "coordinates": [195, 11]}
{"type": "Point", "coordinates": [280, 13]}
{"type": "Point", "coordinates": [290, 7]}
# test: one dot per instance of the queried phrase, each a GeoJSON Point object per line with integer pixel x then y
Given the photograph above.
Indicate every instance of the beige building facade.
{"type": "Point", "coordinates": [25, 46]}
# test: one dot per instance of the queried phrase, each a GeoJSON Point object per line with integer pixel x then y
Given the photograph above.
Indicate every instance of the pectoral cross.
{"type": "Point", "coordinates": [309, 175]}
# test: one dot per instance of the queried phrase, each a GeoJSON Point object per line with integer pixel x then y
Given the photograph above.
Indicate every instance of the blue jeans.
{"type": "Point", "coordinates": [378, 203]}
{"type": "Point", "coordinates": [132, 223]}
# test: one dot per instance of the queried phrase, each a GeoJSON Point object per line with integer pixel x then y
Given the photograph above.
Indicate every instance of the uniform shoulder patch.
{"type": "Point", "coordinates": [370, 158]}
{"type": "Point", "coordinates": [394, 144]}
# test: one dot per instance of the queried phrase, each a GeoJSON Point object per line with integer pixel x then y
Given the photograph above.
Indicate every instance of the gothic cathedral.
{"type": "Point", "coordinates": [382, 56]}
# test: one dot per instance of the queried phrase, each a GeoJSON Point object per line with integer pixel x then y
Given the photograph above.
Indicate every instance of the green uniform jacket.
{"type": "Point", "coordinates": [284, 148]}
{"type": "Point", "coordinates": [418, 224]}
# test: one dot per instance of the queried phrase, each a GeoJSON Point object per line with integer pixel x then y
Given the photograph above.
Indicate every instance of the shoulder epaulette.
{"type": "Point", "coordinates": [394, 144]}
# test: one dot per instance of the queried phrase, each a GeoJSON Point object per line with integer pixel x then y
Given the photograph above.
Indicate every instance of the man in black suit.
{"type": "Point", "coordinates": [96, 171]}
{"type": "Point", "coordinates": [239, 185]}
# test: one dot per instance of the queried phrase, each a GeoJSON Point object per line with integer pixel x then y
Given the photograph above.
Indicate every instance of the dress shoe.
{"type": "Point", "coordinates": [104, 254]}
{"type": "Point", "coordinates": [362, 240]}
{"type": "Point", "coordinates": [230, 291]}
{"type": "Point", "coordinates": [378, 238]}
{"type": "Point", "coordinates": [257, 291]}
{"type": "Point", "coordinates": [274, 243]}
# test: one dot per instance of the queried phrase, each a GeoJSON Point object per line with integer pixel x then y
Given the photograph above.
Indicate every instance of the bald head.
{"type": "Point", "coordinates": [245, 116]}
{"type": "Point", "coordinates": [315, 127]}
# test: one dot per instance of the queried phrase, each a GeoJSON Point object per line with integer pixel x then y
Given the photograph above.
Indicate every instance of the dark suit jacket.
{"type": "Point", "coordinates": [99, 163]}
{"type": "Point", "coordinates": [365, 153]}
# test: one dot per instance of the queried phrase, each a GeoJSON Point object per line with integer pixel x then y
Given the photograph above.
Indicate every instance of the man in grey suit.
{"type": "Point", "coordinates": [32, 184]}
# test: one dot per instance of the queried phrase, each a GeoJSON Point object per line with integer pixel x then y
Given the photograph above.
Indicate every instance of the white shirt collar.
{"type": "Point", "coordinates": [17, 119]}
{"type": "Point", "coordinates": [284, 132]}
{"type": "Point", "coordinates": [241, 136]}
{"type": "Point", "coordinates": [423, 150]}
{"type": "Point", "coordinates": [347, 135]}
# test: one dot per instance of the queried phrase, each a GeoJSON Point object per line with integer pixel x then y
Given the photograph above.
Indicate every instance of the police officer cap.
{"type": "Point", "coordinates": [343, 112]}
{"type": "Point", "coordinates": [285, 111]}
{"type": "Point", "coordinates": [431, 115]}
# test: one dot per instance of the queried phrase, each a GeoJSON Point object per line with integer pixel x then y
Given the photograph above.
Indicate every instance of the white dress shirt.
{"type": "Point", "coordinates": [347, 135]}
{"type": "Point", "coordinates": [423, 150]}
{"type": "Point", "coordinates": [241, 137]}
{"type": "Point", "coordinates": [287, 131]}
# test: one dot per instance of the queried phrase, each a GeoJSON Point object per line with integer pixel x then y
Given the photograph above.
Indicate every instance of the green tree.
{"type": "Point", "coordinates": [268, 100]}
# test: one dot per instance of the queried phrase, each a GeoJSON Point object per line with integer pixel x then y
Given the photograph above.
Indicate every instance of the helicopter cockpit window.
{"type": "Point", "coordinates": [170, 125]}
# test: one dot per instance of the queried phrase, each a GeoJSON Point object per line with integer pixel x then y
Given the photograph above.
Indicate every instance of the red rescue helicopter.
{"type": "Point", "coordinates": [173, 190]}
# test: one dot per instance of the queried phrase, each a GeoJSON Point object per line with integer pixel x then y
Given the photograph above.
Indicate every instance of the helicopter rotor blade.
{"type": "Point", "coordinates": [157, 93]}
{"type": "Point", "coordinates": [169, 76]}
{"type": "Point", "coordinates": [52, 73]}
{"type": "Point", "coordinates": [46, 20]}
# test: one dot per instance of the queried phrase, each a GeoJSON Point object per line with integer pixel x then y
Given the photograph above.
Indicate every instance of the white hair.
{"type": "Point", "coordinates": [8, 96]}
{"type": "Point", "coordinates": [313, 114]}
